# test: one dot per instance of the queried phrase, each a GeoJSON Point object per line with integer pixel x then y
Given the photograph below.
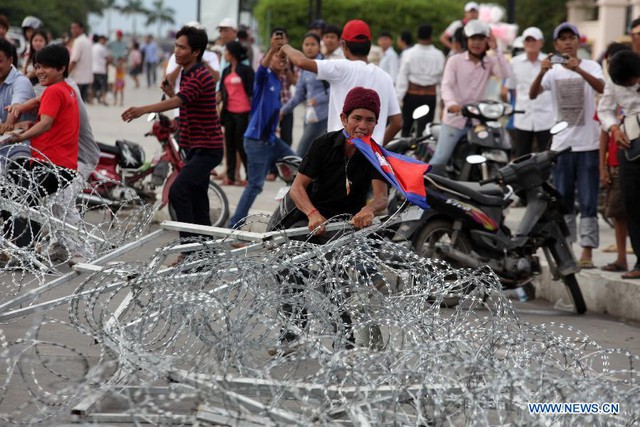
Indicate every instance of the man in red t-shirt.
{"type": "Point", "coordinates": [54, 139]}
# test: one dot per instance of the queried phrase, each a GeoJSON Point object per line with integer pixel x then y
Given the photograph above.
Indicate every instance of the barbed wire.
{"type": "Point", "coordinates": [358, 330]}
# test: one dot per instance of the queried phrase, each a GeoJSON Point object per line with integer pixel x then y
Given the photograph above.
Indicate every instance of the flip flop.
{"type": "Point", "coordinates": [633, 274]}
{"type": "Point", "coordinates": [586, 264]}
{"type": "Point", "coordinates": [617, 268]}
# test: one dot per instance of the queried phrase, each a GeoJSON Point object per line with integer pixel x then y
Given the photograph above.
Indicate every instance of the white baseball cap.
{"type": "Point", "coordinates": [228, 23]}
{"type": "Point", "coordinates": [471, 6]}
{"type": "Point", "coordinates": [534, 32]}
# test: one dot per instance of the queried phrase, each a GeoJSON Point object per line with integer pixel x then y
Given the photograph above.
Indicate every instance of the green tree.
{"type": "Point", "coordinates": [55, 14]}
{"type": "Point", "coordinates": [133, 8]}
{"type": "Point", "coordinates": [160, 15]}
{"type": "Point", "coordinates": [381, 15]}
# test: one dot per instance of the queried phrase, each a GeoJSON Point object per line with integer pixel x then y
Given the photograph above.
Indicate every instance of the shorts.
{"type": "Point", "coordinates": [614, 204]}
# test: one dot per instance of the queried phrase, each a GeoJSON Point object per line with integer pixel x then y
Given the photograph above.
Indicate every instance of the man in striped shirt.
{"type": "Point", "coordinates": [200, 133]}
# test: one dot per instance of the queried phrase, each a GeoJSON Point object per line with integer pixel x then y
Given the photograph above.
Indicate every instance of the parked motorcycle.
{"type": "Point", "coordinates": [466, 224]}
{"type": "Point", "coordinates": [488, 138]}
{"type": "Point", "coordinates": [123, 173]}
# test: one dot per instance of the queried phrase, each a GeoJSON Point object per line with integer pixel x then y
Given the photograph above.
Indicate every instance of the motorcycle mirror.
{"type": "Point", "coordinates": [420, 112]}
{"type": "Point", "coordinates": [151, 117]}
{"type": "Point", "coordinates": [558, 127]}
{"type": "Point", "coordinates": [476, 159]}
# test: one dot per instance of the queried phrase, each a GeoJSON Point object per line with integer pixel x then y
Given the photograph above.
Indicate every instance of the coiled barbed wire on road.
{"type": "Point", "coordinates": [77, 220]}
{"type": "Point", "coordinates": [204, 329]}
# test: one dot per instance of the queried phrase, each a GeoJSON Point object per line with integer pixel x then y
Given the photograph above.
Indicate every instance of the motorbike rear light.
{"type": "Point", "coordinates": [286, 173]}
{"type": "Point", "coordinates": [491, 111]}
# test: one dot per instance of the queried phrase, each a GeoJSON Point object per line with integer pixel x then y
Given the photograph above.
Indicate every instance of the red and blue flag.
{"type": "Point", "coordinates": [404, 173]}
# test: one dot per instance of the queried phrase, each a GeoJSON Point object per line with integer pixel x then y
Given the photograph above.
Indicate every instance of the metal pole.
{"type": "Point", "coordinates": [511, 11]}
{"type": "Point", "coordinates": [318, 9]}
{"type": "Point", "coordinates": [198, 11]}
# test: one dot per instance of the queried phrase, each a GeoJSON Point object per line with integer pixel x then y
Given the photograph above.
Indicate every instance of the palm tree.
{"type": "Point", "coordinates": [109, 5]}
{"type": "Point", "coordinates": [133, 8]}
{"type": "Point", "coordinates": [160, 15]}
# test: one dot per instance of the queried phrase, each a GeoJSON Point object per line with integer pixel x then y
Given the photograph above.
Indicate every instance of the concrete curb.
{"type": "Point", "coordinates": [603, 293]}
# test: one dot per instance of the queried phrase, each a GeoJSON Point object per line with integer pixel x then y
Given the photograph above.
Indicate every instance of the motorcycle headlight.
{"type": "Point", "coordinates": [498, 156]}
{"type": "Point", "coordinates": [491, 111]}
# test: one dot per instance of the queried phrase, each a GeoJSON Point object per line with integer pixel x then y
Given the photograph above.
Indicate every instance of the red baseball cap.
{"type": "Point", "coordinates": [356, 31]}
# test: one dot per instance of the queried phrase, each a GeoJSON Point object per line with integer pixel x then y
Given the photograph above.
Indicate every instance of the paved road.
{"type": "Point", "coordinates": [108, 127]}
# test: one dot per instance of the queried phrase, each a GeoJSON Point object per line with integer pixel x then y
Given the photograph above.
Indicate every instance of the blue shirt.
{"type": "Point", "coordinates": [15, 89]}
{"type": "Point", "coordinates": [307, 87]}
{"type": "Point", "coordinates": [265, 106]}
{"type": "Point", "coordinates": [150, 52]}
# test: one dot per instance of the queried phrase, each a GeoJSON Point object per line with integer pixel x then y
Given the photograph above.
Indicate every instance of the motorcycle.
{"type": "Point", "coordinates": [466, 224]}
{"type": "Point", "coordinates": [123, 174]}
{"type": "Point", "coordinates": [488, 138]}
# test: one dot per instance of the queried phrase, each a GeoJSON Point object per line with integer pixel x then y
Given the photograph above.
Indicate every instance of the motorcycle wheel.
{"type": "Point", "coordinates": [218, 206]}
{"type": "Point", "coordinates": [440, 231]}
{"type": "Point", "coordinates": [576, 294]}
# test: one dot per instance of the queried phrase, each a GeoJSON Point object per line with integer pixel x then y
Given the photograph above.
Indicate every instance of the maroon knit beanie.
{"type": "Point", "coordinates": [360, 97]}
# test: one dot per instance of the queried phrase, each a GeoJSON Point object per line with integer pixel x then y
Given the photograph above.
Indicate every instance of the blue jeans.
{"type": "Point", "coordinates": [311, 132]}
{"type": "Point", "coordinates": [579, 171]}
{"type": "Point", "coordinates": [260, 156]}
{"type": "Point", "coordinates": [447, 141]}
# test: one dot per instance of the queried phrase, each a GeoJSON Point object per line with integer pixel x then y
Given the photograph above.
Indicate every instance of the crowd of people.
{"type": "Point", "coordinates": [235, 104]}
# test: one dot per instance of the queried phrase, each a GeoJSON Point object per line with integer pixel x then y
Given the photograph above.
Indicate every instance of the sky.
{"type": "Point", "coordinates": [186, 10]}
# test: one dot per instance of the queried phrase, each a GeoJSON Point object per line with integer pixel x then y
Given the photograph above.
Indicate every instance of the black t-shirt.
{"type": "Point", "coordinates": [325, 163]}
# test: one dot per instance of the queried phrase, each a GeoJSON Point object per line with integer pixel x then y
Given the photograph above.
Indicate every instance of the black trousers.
{"type": "Point", "coordinates": [189, 192]}
{"type": "Point", "coordinates": [410, 103]}
{"type": "Point", "coordinates": [38, 180]}
{"type": "Point", "coordinates": [235, 124]}
{"type": "Point", "coordinates": [630, 184]}
{"type": "Point", "coordinates": [286, 128]}
{"type": "Point", "coordinates": [523, 142]}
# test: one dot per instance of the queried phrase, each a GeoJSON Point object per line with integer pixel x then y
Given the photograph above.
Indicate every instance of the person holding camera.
{"type": "Point", "coordinates": [573, 84]}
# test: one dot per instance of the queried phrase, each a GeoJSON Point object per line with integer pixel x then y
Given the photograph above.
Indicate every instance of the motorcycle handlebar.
{"type": "Point", "coordinates": [488, 180]}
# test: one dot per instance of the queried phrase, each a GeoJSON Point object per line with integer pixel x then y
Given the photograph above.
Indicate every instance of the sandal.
{"type": "Point", "coordinates": [633, 274]}
{"type": "Point", "coordinates": [614, 267]}
{"type": "Point", "coordinates": [586, 264]}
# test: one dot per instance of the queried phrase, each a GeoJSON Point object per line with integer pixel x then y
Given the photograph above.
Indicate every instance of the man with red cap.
{"type": "Point", "coordinates": [117, 47]}
{"type": "Point", "coordinates": [345, 74]}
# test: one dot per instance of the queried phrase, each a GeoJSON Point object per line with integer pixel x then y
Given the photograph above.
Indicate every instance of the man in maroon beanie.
{"type": "Point", "coordinates": [339, 177]}
{"type": "Point", "coordinates": [339, 174]}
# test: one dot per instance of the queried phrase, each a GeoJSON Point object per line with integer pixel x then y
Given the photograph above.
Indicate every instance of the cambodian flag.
{"type": "Point", "coordinates": [403, 172]}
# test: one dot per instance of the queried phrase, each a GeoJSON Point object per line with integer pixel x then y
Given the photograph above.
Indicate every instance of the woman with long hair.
{"type": "Point", "coordinates": [38, 41]}
{"type": "Point", "coordinates": [316, 95]}
{"type": "Point", "coordinates": [236, 89]}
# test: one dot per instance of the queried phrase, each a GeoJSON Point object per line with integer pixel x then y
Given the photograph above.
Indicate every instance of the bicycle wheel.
{"type": "Point", "coordinates": [218, 206]}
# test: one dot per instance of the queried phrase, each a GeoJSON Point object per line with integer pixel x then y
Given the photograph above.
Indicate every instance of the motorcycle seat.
{"type": "Point", "coordinates": [111, 149]}
{"type": "Point", "coordinates": [487, 195]}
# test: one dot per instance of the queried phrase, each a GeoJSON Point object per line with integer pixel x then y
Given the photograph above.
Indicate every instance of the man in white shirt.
{"type": "Point", "coordinates": [573, 88]}
{"type": "Point", "coordinates": [622, 91]}
{"type": "Point", "coordinates": [420, 72]}
{"type": "Point", "coordinates": [345, 74]}
{"type": "Point", "coordinates": [389, 62]}
{"type": "Point", "coordinates": [101, 57]}
{"type": "Point", "coordinates": [538, 115]}
{"type": "Point", "coordinates": [471, 12]}
{"type": "Point", "coordinates": [81, 65]}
